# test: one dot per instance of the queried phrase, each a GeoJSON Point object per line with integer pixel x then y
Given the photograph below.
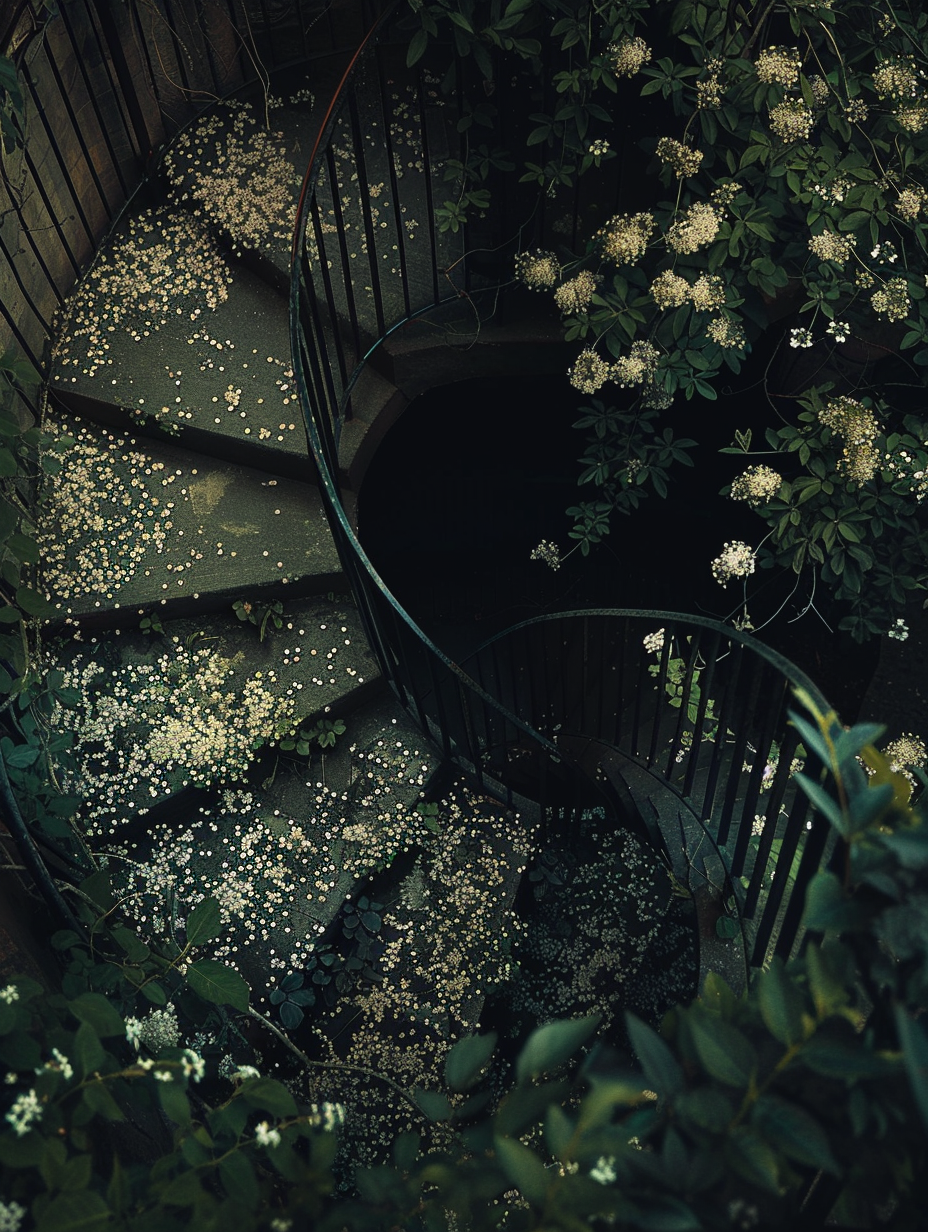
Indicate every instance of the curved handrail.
{"type": "Point", "coordinates": [476, 717]}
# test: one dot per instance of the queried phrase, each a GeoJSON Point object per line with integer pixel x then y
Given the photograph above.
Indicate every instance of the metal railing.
{"type": "Point", "coordinates": [550, 710]}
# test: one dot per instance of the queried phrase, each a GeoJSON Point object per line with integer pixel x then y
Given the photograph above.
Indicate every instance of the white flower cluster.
{"type": "Point", "coordinates": [625, 237]}
{"type": "Point", "coordinates": [26, 1110]}
{"type": "Point", "coordinates": [9, 994]}
{"type": "Point", "coordinates": [899, 633]}
{"type": "Point", "coordinates": [736, 560]}
{"type": "Point", "coordinates": [758, 485]}
{"type": "Point", "coordinates": [779, 66]}
{"type": "Point", "coordinates": [547, 552]}
{"type": "Point", "coordinates": [266, 1135]}
{"type": "Point", "coordinates": [157, 1030]}
{"type": "Point", "coordinates": [698, 227]}
{"type": "Point", "coordinates": [590, 371]}
{"type": "Point", "coordinates": [684, 160]}
{"type": "Point", "coordinates": [791, 120]}
{"type": "Point", "coordinates": [726, 333]}
{"type": "Point", "coordinates": [575, 295]}
{"type": "Point", "coordinates": [832, 247]}
{"type": "Point", "coordinates": [892, 299]}
{"type": "Point", "coordinates": [11, 1216]}
{"type": "Point", "coordinates": [538, 271]}
{"type": "Point", "coordinates": [653, 642]}
{"type": "Point", "coordinates": [143, 729]}
{"type": "Point", "coordinates": [628, 56]}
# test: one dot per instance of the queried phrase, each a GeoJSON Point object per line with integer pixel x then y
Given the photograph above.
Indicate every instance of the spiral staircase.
{"type": "Point", "coordinates": [203, 345]}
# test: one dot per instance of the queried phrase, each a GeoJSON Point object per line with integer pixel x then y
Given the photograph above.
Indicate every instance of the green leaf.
{"type": "Point", "coordinates": [524, 1169]}
{"type": "Point", "coordinates": [827, 909]}
{"type": "Point", "coordinates": [34, 604]}
{"type": "Point", "coordinates": [553, 1044]}
{"type": "Point", "coordinates": [793, 1132]}
{"type": "Point", "coordinates": [90, 1052]}
{"type": "Point", "coordinates": [725, 1053]}
{"type": "Point", "coordinates": [417, 48]}
{"type": "Point", "coordinates": [204, 922]}
{"type": "Point", "coordinates": [239, 1181]}
{"type": "Point", "coordinates": [23, 548]}
{"type": "Point", "coordinates": [94, 1009]}
{"type": "Point", "coordinates": [826, 979]}
{"type": "Point", "coordinates": [174, 1101]}
{"type": "Point", "coordinates": [706, 1107]}
{"type": "Point", "coordinates": [99, 1100]}
{"type": "Point", "coordinates": [435, 1105]}
{"type": "Point", "coordinates": [270, 1096]}
{"type": "Point", "coordinates": [753, 1159]}
{"type": "Point", "coordinates": [467, 1059]}
{"type": "Point", "coordinates": [74, 1212]}
{"type": "Point", "coordinates": [914, 1043]}
{"type": "Point", "coordinates": [823, 802]}
{"type": "Point", "coordinates": [780, 1004]}
{"type": "Point", "coordinates": [216, 982]}
{"type": "Point", "coordinates": [9, 520]}
{"type": "Point", "coordinates": [660, 1066]}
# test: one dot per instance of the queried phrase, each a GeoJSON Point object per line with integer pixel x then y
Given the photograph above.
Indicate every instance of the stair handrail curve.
{"type": "Point", "coordinates": [462, 710]}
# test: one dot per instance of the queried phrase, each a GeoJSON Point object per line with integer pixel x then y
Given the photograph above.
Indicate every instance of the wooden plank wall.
{"type": "Point", "coordinates": [106, 83]}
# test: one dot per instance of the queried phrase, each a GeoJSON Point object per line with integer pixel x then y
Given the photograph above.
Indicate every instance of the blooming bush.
{"type": "Point", "coordinates": [787, 170]}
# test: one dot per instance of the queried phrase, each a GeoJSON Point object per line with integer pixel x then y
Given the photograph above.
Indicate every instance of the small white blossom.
{"type": "Point", "coordinates": [192, 1065]}
{"type": "Point", "coordinates": [604, 1171]}
{"type": "Point", "coordinates": [839, 330]}
{"type": "Point", "coordinates": [163, 1075]}
{"type": "Point", "coordinates": [9, 994]}
{"type": "Point", "coordinates": [134, 1032]}
{"type": "Point", "coordinates": [59, 1062]}
{"type": "Point", "coordinates": [800, 337]}
{"type": "Point", "coordinates": [266, 1135]}
{"type": "Point", "coordinates": [653, 642]}
{"type": "Point", "coordinates": [11, 1216]}
{"type": "Point", "coordinates": [244, 1072]}
{"type": "Point", "coordinates": [736, 561]}
{"type": "Point", "coordinates": [25, 1110]}
{"type": "Point", "coordinates": [899, 631]}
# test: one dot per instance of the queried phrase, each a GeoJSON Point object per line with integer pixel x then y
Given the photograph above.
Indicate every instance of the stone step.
{"type": "Point", "coordinates": [240, 166]}
{"type": "Point", "coordinates": [167, 335]}
{"type": "Point", "coordinates": [281, 852]}
{"type": "Point", "coordinates": [126, 524]}
{"type": "Point", "coordinates": [191, 706]}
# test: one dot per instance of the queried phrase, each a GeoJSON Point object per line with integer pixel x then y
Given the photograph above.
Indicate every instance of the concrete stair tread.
{"type": "Point", "coordinates": [206, 358]}
{"type": "Point", "coordinates": [126, 524]}
{"type": "Point", "coordinates": [156, 715]}
{"type": "Point", "coordinates": [284, 837]}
